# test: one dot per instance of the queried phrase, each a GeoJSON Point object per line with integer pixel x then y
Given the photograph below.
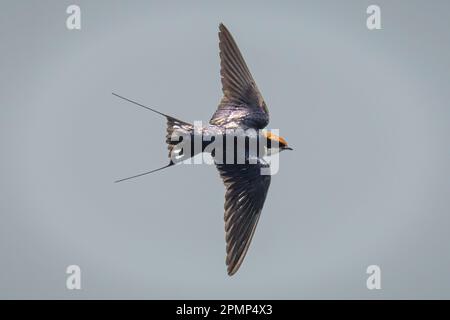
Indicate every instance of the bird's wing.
{"type": "Point", "coordinates": [242, 104]}
{"type": "Point", "coordinates": [246, 191]}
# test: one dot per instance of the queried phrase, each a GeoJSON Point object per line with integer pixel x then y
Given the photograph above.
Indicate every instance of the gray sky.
{"type": "Point", "coordinates": [366, 112]}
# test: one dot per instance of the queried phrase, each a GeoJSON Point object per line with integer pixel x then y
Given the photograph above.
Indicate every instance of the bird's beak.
{"type": "Point", "coordinates": [288, 148]}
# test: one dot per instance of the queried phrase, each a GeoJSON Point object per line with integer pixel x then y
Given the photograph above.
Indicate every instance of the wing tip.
{"type": "Point", "coordinates": [231, 270]}
{"type": "Point", "coordinates": [223, 29]}
{"type": "Point", "coordinates": [234, 265]}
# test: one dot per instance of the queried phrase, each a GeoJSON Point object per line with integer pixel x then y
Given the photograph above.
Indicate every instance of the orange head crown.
{"type": "Point", "coordinates": [282, 143]}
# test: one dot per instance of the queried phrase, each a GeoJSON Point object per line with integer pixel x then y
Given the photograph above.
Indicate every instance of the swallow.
{"type": "Point", "coordinates": [241, 107]}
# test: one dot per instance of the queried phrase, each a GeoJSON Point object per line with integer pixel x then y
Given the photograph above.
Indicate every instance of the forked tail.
{"type": "Point", "coordinates": [176, 129]}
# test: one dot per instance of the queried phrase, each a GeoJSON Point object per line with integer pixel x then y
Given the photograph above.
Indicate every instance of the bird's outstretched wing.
{"type": "Point", "coordinates": [242, 104]}
{"type": "Point", "coordinates": [246, 191]}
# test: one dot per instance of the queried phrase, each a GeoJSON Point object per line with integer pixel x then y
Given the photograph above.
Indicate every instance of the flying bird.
{"type": "Point", "coordinates": [242, 107]}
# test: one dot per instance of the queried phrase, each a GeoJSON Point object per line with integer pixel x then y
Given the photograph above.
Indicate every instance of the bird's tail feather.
{"type": "Point", "coordinates": [176, 129]}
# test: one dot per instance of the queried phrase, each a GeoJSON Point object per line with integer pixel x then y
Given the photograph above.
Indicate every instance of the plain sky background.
{"type": "Point", "coordinates": [367, 113]}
